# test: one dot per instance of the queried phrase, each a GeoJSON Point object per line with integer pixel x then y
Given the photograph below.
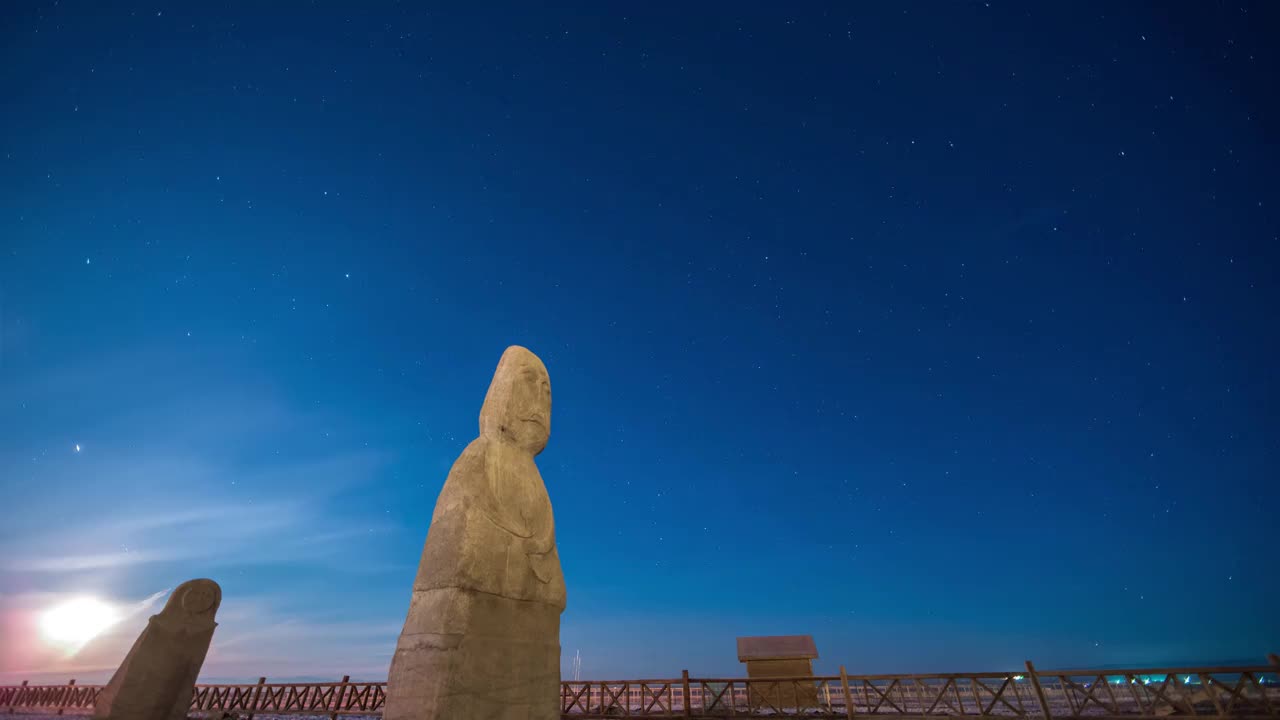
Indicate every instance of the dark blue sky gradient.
{"type": "Point", "coordinates": [941, 331]}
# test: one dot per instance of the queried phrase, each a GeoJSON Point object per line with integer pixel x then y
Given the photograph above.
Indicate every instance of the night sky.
{"type": "Point", "coordinates": [944, 332]}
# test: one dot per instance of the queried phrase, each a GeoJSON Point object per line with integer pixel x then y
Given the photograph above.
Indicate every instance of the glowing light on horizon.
{"type": "Point", "coordinates": [74, 623]}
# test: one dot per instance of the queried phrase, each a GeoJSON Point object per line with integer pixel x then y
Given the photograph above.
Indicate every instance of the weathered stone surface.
{"type": "Point", "coordinates": [155, 680]}
{"type": "Point", "coordinates": [482, 636]}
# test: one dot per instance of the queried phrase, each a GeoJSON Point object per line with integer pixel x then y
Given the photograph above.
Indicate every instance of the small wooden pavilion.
{"type": "Point", "coordinates": [779, 656]}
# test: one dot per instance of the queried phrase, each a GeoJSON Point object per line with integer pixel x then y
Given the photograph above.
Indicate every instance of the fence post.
{"type": "Point", "coordinates": [1035, 682]}
{"type": "Point", "coordinates": [1275, 667]}
{"type": "Point", "coordinates": [848, 696]}
{"type": "Point", "coordinates": [17, 696]}
{"type": "Point", "coordinates": [257, 693]}
{"type": "Point", "coordinates": [339, 695]}
{"type": "Point", "coordinates": [688, 696]}
{"type": "Point", "coordinates": [66, 695]}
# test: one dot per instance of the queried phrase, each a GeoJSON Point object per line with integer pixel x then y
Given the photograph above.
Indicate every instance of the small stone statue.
{"type": "Point", "coordinates": [157, 677]}
{"type": "Point", "coordinates": [482, 637]}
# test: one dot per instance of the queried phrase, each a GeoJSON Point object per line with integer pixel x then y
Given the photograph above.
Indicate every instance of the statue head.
{"type": "Point", "coordinates": [194, 600]}
{"type": "Point", "coordinates": [517, 408]}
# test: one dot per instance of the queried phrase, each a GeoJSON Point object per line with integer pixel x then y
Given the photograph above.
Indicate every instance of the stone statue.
{"type": "Point", "coordinates": [157, 677]}
{"type": "Point", "coordinates": [482, 637]}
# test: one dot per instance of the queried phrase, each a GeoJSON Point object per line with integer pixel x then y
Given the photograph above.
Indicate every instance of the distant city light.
{"type": "Point", "coordinates": [1017, 677]}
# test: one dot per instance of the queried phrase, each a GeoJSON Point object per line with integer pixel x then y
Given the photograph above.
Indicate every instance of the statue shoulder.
{"type": "Point", "coordinates": [469, 465]}
{"type": "Point", "coordinates": [473, 479]}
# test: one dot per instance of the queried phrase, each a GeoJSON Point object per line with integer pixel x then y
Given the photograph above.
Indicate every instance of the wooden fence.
{"type": "Point", "coordinates": [1210, 692]}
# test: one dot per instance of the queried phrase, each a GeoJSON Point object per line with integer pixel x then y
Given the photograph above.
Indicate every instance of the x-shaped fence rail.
{"type": "Point", "coordinates": [1206, 692]}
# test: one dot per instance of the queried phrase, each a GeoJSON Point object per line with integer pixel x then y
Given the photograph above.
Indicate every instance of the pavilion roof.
{"type": "Point", "coordinates": [777, 647]}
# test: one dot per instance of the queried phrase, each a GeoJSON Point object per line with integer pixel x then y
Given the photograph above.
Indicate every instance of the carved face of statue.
{"type": "Point", "coordinates": [518, 404]}
{"type": "Point", "coordinates": [199, 598]}
{"type": "Point", "coordinates": [195, 597]}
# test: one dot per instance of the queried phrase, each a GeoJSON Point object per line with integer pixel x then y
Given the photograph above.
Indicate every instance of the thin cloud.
{"type": "Point", "coordinates": [269, 531]}
{"type": "Point", "coordinates": [79, 563]}
{"type": "Point", "coordinates": [26, 655]}
{"type": "Point", "coordinates": [253, 638]}
{"type": "Point", "coordinates": [160, 491]}
{"type": "Point", "coordinates": [156, 540]}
